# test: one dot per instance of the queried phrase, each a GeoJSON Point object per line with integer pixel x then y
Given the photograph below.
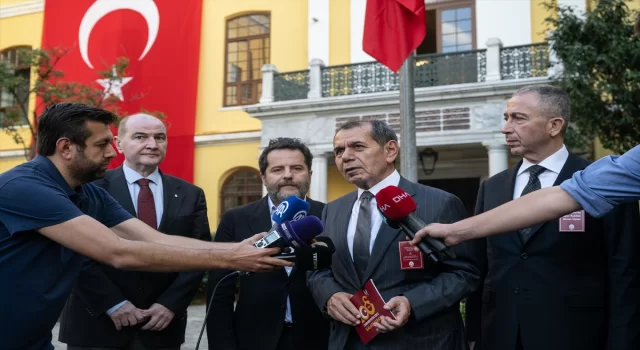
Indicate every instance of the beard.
{"type": "Point", "coordinates": [83, 170]}
{"type": "Point", "coordinates": [277, 196]}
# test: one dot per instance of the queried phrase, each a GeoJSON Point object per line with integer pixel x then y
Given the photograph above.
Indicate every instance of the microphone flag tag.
{"type": "Point", "coordinates": [409, 258]}
{"type": "Point", "coordinates": [370, 304]}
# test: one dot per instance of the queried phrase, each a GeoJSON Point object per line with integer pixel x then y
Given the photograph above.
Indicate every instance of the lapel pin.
{"type": "Point", "coordinates": [175, 195]}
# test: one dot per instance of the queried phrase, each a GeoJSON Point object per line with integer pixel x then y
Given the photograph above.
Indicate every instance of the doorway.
{"type": "Point", "coordinates": [464, 188]}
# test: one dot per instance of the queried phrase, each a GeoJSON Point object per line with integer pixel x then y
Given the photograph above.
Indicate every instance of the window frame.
{"type": "Point", "coordinates": [254, 83]}
{"type": "Point", "coordinates": [439, 6]}
{"type": "Point", "coordinates": [246, 194]}
{"type": "Point", "coordinates": [17, 68]}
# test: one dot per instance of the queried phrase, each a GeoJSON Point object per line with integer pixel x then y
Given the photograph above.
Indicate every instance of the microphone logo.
{"type": "Point", "coordinates": [282, 208]}
{"type": "Point", "coordinates": [299, 215]}
{"type": "Point", "coordinates": [384, 207]}
{"type": "Point", "coordinates": [400, 197]}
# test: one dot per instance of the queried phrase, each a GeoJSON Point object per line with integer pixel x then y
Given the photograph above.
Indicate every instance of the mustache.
{"type": "Point", "coordinates": [288, 183]}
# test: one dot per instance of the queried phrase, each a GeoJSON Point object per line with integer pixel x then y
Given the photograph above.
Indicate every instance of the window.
{"type": "Point", "coordinates": [11, 57]}
{"type": "Point", "coordinates": [247, 50]}
{"type": "Point", "coordinates": [450, 27]}
{"type": "Point", "coordinates": [242, 187]}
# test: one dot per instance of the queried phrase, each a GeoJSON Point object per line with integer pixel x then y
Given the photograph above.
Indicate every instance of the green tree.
{"type": "Point", "coordinates": [49, 87]}
{"type": "Point", "coordinates": [600, 55]}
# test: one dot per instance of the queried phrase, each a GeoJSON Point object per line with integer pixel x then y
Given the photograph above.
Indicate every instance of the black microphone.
{"type": "Point", "coordinates": [397, 206]}
{"type": "Point", "coordinates": [316, 256]}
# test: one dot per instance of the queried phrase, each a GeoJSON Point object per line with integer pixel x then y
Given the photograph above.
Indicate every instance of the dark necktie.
{"type": "Point", "coordinates": [146, 204]}
{"type": "Point", "coordinates": [532, 185]}
{"type": "Point", "coordinates": [362, 238]}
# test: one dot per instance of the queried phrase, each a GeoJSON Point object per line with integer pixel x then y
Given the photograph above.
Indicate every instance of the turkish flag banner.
{"type": "Point", "coordinates": [393, 29]}
{"type": "Point", "coordinates": [160, 38]}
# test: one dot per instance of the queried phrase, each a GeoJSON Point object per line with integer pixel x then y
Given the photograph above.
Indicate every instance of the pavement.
{"type": "Point", "coordinates": [195, 319]}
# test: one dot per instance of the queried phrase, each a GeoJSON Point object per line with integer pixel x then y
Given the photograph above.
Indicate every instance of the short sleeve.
{"type": "Point", "coordinates": [30, 203]}
{"type": "Point", "coordinates": [606, 183]}
{"type": "Point", "coordinates": [114, 213]}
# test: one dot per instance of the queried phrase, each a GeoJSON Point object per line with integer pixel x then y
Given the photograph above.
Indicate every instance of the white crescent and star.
{"type": "Point", "coordinates": [147, 8]}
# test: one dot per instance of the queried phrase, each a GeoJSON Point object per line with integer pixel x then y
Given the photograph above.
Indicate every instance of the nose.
{"type": "Point", "coordinates": [347, 155]}
{"type": "Point", "coordinates": [506, 128]}
{"type": "Point", "coordinates": [110, 153]}
{"type": "Point", "coordinates": [151, 143]}
{"type": "Point", "coordinates": [287, 173]}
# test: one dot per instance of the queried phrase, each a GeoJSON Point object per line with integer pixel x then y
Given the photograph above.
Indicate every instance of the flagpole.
{"type": "Point", "coordinates": [408, 152]}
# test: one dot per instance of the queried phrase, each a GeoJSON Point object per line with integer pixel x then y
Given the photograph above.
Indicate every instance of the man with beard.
{"type": "Point", "coordinates": [275, 310]}
{"type": "Point", "coordinates": [50, 216]}
{"type": "Point", "coordinates": [111, 308]}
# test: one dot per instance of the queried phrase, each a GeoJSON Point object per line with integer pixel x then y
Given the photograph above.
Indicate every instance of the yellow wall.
{"type": "Point", "coordinates": [288, 53]}
{"type": "Point", "coordinates": [538, 26]}
{"type": "Point", "coordinates": [337, 186]}
{"type": "Point", "coordinates": [214, 163]}
{"type": "Point", "coordinates": [8, 163]}
{"type": "Point", "coordinates": [339, 29]}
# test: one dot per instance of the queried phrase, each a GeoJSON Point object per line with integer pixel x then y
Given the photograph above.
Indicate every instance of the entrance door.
{"type": "Point", "coordinates": [465, 188]}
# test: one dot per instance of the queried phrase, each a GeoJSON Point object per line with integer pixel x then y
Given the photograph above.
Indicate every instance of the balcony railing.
{"type": "Point", "coordinates": [476, 66]}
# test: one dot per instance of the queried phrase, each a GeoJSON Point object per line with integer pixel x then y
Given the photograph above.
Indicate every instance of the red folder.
{"type": "Point", "coordinates": [371, 306]}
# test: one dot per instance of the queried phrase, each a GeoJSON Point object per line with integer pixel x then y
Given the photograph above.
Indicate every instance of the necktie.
{"type": "Point", "coordinates": [362, 238]}
{"type": "Point", "coordinates": [146, 204]}
{"type": "Point", "coordinates": [532, 185]}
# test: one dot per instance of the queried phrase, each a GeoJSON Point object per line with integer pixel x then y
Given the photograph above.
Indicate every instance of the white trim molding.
{"type": "Point", "coordinates": [11, 154]}
{"type": "Point", "coordinates": [227, 138]}
{"type": "Point", "coordinates": [23, 8]}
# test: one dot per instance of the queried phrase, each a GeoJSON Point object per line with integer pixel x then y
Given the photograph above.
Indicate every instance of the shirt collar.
{"type": "Point", "coordinates": [46, 165]}
{"type": "Point", "coordinates": [553, 163]}
{"type": "Point", "coordinates": [132, 176]}
{"type": "Point", "coordinates": [391, 180]}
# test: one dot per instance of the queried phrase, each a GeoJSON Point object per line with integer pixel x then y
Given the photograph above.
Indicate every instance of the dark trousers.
{"type": "Point", "coordinates": [286, 339]}
{"type": "Point", "coordinates": [135, 344]}
{"type": "Point", "coordinates": [519, 341]}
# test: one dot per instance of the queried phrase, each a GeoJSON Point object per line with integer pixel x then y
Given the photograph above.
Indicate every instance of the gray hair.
{"type": "Point", "coordinates": [381, 132]}
{"type": "Point", "coordinates": [554, 102]}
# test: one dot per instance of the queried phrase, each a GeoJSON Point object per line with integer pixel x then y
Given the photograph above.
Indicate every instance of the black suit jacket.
{"type": "Point", "coordinates": [564, 290]}
{"type": "Point", "coordinates": [260, 311]}
{"type": "Point", "coordinates": [100, 287]}
{"type": "Point", "coordinates": [434, 292]}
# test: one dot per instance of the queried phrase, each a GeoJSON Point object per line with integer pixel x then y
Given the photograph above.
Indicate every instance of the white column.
{"type": "Point", "coordinates": [512, 29]}
{"type": "Point", "coordinates": [493, 59]}
{"type": "Point", "coordinates": [267, 83]}
{"type": "Point", "coordinates": [358, 9]}
{"type": "Point", "coordinates": [318, 189]}
{"type": "Point", "coordinates": [315, 78]}
{"type": "Point", "coordinates": [318, 33]}
{"type": "Point", "coordinates": [498, 156]}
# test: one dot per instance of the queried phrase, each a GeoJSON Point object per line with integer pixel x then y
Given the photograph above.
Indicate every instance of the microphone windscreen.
{"type": "Point", "coordinates": [318, 255]}
{"type": "Point", "coordinates": [291, 209]}
{"type": "Point", "coordinates": [326, 241]}
{"type": "Point", "coordinates": [301, 232]}
{"type": "Point", "coordinates": [394, 203]}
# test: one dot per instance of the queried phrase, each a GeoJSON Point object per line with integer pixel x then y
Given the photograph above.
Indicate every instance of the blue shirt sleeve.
{"type": "Point", "coordinates": [116, 307]}
{"type": "Point", "coordinates": [606, 183]}
{"type": "Point", "coordinates": [114, 213]}
{"type": "Point", "coordinates": [30, 203]}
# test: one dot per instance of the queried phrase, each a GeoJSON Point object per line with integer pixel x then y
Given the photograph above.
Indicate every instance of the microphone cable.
{"type": "Point", "coordinates": [206, 315]}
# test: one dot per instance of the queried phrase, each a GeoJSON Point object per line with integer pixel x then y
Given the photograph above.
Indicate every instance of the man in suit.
{"type": "Point", "coordinates": [570, 283]}
{"type": "Point", "coordinates": [111, 308]}
{"type": "Point", "coordinates": [275, 310]}
{"type": "Point", "coordinates": [425, 301]}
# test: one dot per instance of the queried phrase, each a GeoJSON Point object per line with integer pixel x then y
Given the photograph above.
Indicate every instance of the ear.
{"type": "Point", "coordinates": [391, 150]}
{"type": "Point", "coordinates": [65, 148]}
{"type": "Point", "coordinates": [117, 141]}
{"type": "Point", "coordinates": [555, 126]}
{"type": "Point", "coordinates": [264, 181]}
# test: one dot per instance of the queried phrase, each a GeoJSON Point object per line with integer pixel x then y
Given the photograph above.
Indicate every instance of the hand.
{"type": "Point", "coordinates": [159, 317]}
{"type": "Point", "coordinates": [340, 308]}
{"type": "Point", "coordinates": [245, 257]}
{"type": "Point", "coordinates": [127, 315]}
{"type": "Point", "coordinates": [401, 308]}
{"type": "Point", "coordinates": [444, 231]}
{"type": "Point", "coordinates": [472, 344]}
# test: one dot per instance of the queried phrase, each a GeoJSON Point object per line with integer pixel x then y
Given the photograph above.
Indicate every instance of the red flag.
{"type": "Point", "coordinates": [161, 38]}
{"type": "Point", "coordinates": [393, 29]}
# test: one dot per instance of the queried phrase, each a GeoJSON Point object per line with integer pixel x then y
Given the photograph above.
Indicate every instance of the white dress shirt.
{"type": "Point", "coordinates": [376, 217]}
{"type": "Point", "coordinates": [552, 164]}
{"type": "Point", "coordinates": [155, 185]}
{"type": "Point", "coordinates": [287, 315]}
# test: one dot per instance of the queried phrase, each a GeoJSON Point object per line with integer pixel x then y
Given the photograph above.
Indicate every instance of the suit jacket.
{"type": "Point", "coordinates": [434, 292]}
{"type": "Point", "coordinates": [100, 287]}
{"type": "Point", "coordinates": [564, 290]}
{"type": "Point", "coordinates": [260, 311]}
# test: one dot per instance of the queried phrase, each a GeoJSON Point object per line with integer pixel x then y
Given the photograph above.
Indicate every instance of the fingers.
{"type": "Point", "coordinates": [420, 235]}
{"type": "Point", "coordinates": [253, 239]}
{"type": "Point", "coordinates": [131, 320]}
{"type": "Point", "coordinates": [116, 322]}
{"type": "Point", "coordinates": [341, 309]}
{"type": "Point", "coordinates": [153, 322]}
{"type": "Point", "coordinates": [139, 315]}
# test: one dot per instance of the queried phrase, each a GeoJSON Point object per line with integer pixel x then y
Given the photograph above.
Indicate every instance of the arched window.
{"type": "Point", "coordinates": [242, 187]}
{"type": "Point", "coordinates": [247, 50]}
{"type": "Point", "coordinates": [17, 98]}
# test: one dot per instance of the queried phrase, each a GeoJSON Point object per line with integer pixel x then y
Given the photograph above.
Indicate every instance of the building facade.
{"type": "Point", "coordinates": [296, 68]}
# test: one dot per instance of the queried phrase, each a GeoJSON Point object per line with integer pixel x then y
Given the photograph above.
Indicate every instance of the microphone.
{"type": "Point", "coordinates": [398, 208]}
{"type": "Point", "coordinates": [291, 209]}
{"type": "Point", "coordinates": [316, 256]}
{"type": "Point", "coordinates": [294, 234]}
